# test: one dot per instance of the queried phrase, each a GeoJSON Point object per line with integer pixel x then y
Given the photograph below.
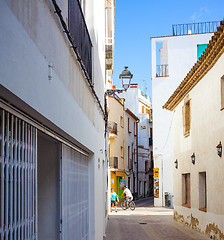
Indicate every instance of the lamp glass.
{"type": "Point", "coordinates": [126, 77]}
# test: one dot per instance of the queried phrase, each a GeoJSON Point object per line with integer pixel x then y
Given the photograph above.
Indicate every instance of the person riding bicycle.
{"type": "Point", "coordinates": [128, 195]}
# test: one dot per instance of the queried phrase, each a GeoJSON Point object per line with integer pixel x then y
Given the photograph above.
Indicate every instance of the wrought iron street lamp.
{"type": "Point", "coordinates": [125, 77]}
{"type": "Point", "coordinates": [219, 149]}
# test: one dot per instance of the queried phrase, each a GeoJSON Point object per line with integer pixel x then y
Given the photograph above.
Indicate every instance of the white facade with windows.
{"type": "Point", "coordinates": [139, 103]}
{"type": "Point", "coordinates": [198, 172]}
{"type": "Point", "coordinates": [52, 162]}
{"type": "Point", "coordinates": [172, 57]}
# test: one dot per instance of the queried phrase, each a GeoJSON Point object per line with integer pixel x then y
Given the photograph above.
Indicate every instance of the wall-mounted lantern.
{"type": "Point", "coordinates": [193, 158]}
{"type": "Point", "coordinates": [176, 164]}
{"type": "Point", "coordinates": [126, 77]}
{"type": "Point", "coordinates": [219, 149]}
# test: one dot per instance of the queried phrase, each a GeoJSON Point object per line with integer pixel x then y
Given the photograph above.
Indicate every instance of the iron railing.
{"type": "Point", "coordinates": [114, 162]}
{"type": "Point", "coordinates": [80, 35]}
{"type": "Point", "coordinates": [112, 127]}
{"type": "Point", "coordinates": [195, 28]}
{"type": "Point", "coordinates": [162, 70]}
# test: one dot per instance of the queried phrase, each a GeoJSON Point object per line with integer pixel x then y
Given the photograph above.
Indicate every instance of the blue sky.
{"type": "Point", "coordinates": [137, 21]}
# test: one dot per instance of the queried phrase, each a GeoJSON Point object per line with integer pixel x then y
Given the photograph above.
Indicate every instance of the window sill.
{"type": "Point", "coordinates": [186, 205]}
{"type": "Point", "coordinates": [203, 209]}
{"type": "Point", "coordinates": [162, 76]}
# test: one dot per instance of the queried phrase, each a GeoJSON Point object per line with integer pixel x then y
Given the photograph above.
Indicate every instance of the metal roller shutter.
{"type": "Point", "coordinates": [75, 195]}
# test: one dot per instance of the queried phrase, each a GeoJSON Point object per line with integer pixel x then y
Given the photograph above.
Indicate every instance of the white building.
{"type": "Point", "coordinates": [197, 105]}
{"type": "Point", "coordinates": [172, 57]}
{"type": "Point", "coordinates": [52, 81]}
{"type": "Point", "coordinates": [139, 103]}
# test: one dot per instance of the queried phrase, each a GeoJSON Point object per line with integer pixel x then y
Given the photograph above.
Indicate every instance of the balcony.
{"type": "Point", "coordinates": [112, 128]}
{"type": "Point", "coordinates": [114, 162]}
{"type": "Point", "coordinates": [80, 35]}
{"type": "Point", "coordinates": [162, 70]}
{"type": "Point", "coordinates": [195, 28]}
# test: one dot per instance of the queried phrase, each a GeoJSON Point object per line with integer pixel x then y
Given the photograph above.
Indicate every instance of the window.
{"type": "Point", "coordinates": [146, 165]}
{"type": "Point", "coordinates": [202, 192]}
{"type": "Point", "coordinates": [135, 128]}
{"type": "Point", "coordinates": [129, 130]}
{"type": "Point", "coordinates": [200, 49]}
{"type": "Point", "coordinates": [222, 92]}
{"type": "Point", "coordinates": [121, 121]}
{"type": "Point", "coordinates": [143, 109]}
{"type": "Point", "coordinates": [122, 152]}
{"type": "Point", "coordinates": [129, 157]}
{"type": "Point", "coordinates": [186, 117]}
{"type": "Point", "coordinates": [186, 190]}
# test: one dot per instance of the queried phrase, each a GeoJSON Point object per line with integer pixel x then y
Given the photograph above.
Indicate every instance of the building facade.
{"type": "Point", "coordinates": [172, 57]}
{"type": "Point", "coordinates": [116, 130]}
{"type": "Point", "coordinates": [139, 103]}
{"type": "Point", "coordinates": [131, 143]}
{"type": "Point", "coordinates": [52, 83]}
{"type": "Point", "coordinates": [198, 140]}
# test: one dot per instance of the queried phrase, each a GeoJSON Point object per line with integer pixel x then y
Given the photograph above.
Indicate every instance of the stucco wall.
{"type": "Point", "coordinates": [182, 54]}
{"type": "Point", "coordinates": [205, 134]}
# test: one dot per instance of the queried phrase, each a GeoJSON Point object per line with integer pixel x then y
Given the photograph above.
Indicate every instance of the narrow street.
{"type": "Point", "coordinates": [148, 223]}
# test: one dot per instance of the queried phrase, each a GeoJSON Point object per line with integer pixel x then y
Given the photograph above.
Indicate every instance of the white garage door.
{"type": "Point", "coordinates": [75, 195]}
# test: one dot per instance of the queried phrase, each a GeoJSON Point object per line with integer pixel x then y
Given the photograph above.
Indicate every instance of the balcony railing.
{"type": "Point", "coordinates": [114, 162]}
{"type": "Point", "coordinates": [195, 28]}
{"type": "Point", "coordinates": [80, 35]}
{"type": "Point", "coordinates": [162, 70]}
{"type": "Point", "coordinates": [112, 127]}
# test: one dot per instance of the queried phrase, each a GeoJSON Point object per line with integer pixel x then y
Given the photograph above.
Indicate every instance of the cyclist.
{"type": "Point", "coordinates": [128, 195]}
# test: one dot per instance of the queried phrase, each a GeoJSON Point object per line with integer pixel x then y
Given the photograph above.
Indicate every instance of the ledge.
{"type": "Point", "coordinates": [186, 205]}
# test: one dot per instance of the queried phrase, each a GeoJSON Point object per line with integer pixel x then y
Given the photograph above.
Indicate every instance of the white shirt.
{"type": "Point", "coordinates": [128, 193]}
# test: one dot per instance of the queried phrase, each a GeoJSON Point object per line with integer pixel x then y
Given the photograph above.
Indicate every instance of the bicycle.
{"type": "Point", "coordinates": [131, 205]}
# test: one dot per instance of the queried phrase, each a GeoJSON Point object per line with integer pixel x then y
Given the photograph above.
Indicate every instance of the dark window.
{"type": "Point", "coordinates": [80, 35]}
{"type": "Point", "coordinates": [186, 190]}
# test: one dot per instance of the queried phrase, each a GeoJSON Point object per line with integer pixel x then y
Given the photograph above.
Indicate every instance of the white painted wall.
{"type": "Point", "coordinates": [30, 39]}
{"type": "Point", "coordinates": [182, 54]}
{"type": "Point", "coordinates": [205, 134]}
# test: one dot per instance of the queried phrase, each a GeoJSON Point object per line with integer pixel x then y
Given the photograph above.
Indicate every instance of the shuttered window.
{"type": "Point", "coordinates": [186, 111]}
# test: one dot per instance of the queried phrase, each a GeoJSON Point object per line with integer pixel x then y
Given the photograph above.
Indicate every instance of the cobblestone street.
{"type": "Point", "coordinates": [148, 223]}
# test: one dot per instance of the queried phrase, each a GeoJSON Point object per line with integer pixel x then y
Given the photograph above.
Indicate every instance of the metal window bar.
{"type": "Point", "coordinates": [80, 35]}
{"type": "Point", "coordinates": [18, 183]}
{"type": "Point", "coordinates": [195, 28]}
{"type": "Point", "coordinates": [162, 70]}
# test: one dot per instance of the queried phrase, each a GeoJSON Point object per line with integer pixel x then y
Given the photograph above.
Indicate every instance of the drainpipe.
{"type": "Point", "coordinates": [137, 151]}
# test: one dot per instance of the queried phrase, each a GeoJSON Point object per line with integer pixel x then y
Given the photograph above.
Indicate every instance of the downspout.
{"type": "Point", "coordinates": [137, 151]}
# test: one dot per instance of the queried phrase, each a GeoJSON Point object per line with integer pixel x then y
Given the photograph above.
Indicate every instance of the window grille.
{"type": "Point", "coordinates": [18, 178]}
{"type": "Point", "coordinates": [80, 35]}
{"type": "Point", "coordinates": [75, 195]}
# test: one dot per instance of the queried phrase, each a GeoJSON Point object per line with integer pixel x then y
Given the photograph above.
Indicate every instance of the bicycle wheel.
{"type": "Point", "coordinates": [132, 205]}
{"type": "Point", "coordinates": [124, 205]}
